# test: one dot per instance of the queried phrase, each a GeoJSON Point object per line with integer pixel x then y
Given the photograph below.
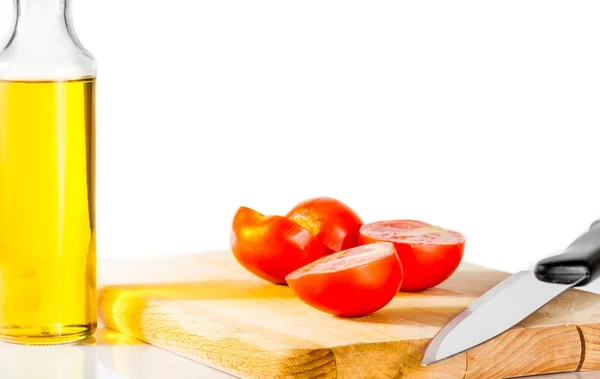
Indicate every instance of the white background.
{"type": "Point", "coordinates": [477, 116]}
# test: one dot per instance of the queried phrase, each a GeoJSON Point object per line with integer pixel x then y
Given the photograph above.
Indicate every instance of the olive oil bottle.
{"type": "Point", "coordinates": [47, 180]}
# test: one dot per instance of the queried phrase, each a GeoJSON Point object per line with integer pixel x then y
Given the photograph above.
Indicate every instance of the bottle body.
{"type": "Point", "coordinates": [47, 185]}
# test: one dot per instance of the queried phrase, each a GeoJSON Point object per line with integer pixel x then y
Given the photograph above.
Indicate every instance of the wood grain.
{"type": "Point", "coordinates": [522, 352]}
{"type": "Point", "coordinates": [209, 309]}
{"type": "Point", "coordinates": [591, 352]}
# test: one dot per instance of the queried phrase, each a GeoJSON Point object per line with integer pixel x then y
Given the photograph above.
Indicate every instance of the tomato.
{"type": "Point", "coordinates": [334, 223]}
{"type": "Point", "coordinates": [350, 283]}
{"type": "Point", "coordinates": [272, 246]}
{"type": "Point", "coordinates": [429, 254]}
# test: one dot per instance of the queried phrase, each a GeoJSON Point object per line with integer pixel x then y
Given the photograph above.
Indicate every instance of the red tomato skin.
{"type": "Point", "coordinates": [354, 292]}
{"type": "Point", "coordinates": [271, 247]}
{"type": "Point", "coordinates": [334, 223]}
{"type": "Point", "coordinates": [425, 266]}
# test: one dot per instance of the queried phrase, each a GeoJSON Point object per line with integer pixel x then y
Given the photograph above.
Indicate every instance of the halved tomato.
{"type": "Point", "coordinates": [334, 223]}
{"type": "Point", "coordinates": [429, 254]}
{"type": "Point", "coordinates": [272, 246]}
{"type": "Point", "coordinates": [350, 283]}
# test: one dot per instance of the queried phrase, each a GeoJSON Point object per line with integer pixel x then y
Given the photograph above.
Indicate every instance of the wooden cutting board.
{"type": "Point", "coordinates": [211, 310]}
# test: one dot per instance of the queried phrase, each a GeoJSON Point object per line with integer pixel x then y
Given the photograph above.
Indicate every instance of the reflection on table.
{"type": "Point", "coordinates": [61, 361]}
{"type": "Point", "coordinates": [106, 355]}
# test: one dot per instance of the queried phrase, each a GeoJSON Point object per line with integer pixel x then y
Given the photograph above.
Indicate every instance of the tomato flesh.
{"type": "Point", "coordinates": [272, 246]}
{"type": "Point", "coordinates": [351, 283]}
{"type": "Point", "coordinates": [333, 222]}
{"type": "Point", "coordinates": [429, 254]}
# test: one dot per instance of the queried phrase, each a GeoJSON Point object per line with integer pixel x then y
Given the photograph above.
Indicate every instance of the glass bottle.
{"type": "Point", "coordinates": [47, 179]}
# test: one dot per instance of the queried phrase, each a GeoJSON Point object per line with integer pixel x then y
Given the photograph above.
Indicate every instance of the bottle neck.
{"type": "Point", "coordinates": [41, 15]}
{"type": "Point", "coordinates": [43, 45]}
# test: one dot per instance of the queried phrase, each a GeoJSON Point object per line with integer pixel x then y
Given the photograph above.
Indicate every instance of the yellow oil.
{"type": "Point", "coordinates": [47, 211]}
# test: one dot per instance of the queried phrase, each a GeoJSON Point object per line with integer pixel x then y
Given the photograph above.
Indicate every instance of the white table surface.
{"type": "Point", "coordinates": [108, 355]}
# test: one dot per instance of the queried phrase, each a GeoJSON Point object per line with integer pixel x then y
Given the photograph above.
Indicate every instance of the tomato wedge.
{"type": "Point", "coordinates": [272, 246]}
{"type": "Point", "coordinates": [334, 223]}
{"type": "Point", "coordinates": [429, 254]}
{"type": "Point", "coordinates": [350, 283]}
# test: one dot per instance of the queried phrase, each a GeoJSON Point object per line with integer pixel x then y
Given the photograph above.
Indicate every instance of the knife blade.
{"type": "Point", "coordinates": [518, 296]}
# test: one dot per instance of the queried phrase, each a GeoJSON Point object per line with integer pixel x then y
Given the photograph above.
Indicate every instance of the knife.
{"type": "Point", "coordinates": [518, 296]}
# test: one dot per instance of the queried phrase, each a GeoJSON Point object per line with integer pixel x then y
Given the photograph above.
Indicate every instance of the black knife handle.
{"type": "Point", "coordinates": [581, 258]}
